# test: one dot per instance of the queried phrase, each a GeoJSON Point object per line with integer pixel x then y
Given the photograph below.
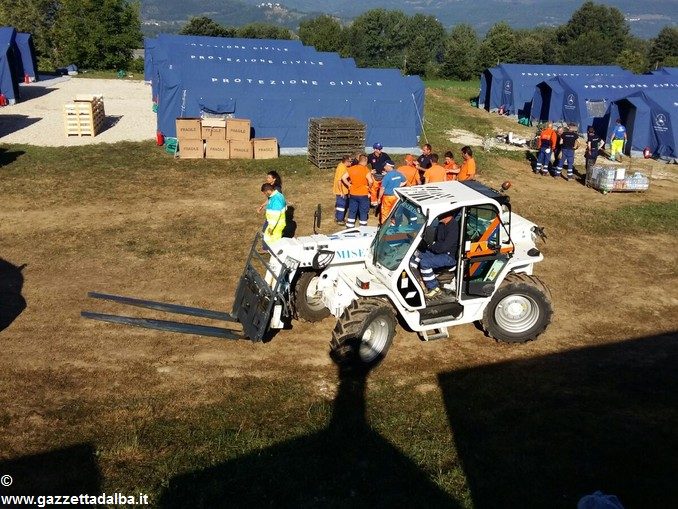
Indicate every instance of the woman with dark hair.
{"type": "Point", "coordinates": [273, 178]}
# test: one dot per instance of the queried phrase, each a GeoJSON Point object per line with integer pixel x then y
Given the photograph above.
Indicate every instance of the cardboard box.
{"type": "Point", "coordinates": [238, 129]}
{"type": "Point", "coordinates": [265, 148]}
{"type": "Point", "coordinates": [213, 128]}
{"type": "Point", "coordinates": [189, 129]}
{"type": "Point", "coordinates": [191, 149]}
{"type": "Point", "coordinates": [217, 149]}
{"type": "Point", "coordinates": [241, 149]}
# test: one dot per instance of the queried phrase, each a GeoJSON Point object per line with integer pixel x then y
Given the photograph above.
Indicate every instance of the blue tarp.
{"type": "Point", "coordinates": [9, 65]}
{"type": "Point", "coordinates": [29, 64]}
{"type": "Point", "coordinates": [279, 85]}
{"type": "Point", "coordinates": [585, 101]}
{"type": "Point", "coordinates": [651, 120]}
{"type": "Point", "coordinates": [513, 84]}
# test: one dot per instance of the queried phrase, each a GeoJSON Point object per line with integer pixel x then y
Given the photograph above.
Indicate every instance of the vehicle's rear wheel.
{"type": "Point", "coordinates": [307, 301]}
{"type": "Point", "coordinates": [519, 311]}
{"type": "Point", "coordinates": [363, 333]}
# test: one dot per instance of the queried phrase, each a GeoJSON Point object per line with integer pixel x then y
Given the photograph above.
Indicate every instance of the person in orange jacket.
{"type": "Point", "coordinates": [358, 179]}
{"type": "Point", "coordinates": [547, 144]}
{"type": "Point", "coordinates": [340, 190]}
{"type": "Point", "coordinates": [451, 166]}
{"type": "Point", "coordinates": [435, 173]}
{"type": "Point", "coordinates": [409, 169]}
{"type": "Point", "coordinates": [468, 167]}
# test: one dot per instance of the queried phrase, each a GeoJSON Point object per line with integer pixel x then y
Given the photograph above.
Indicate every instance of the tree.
{"type": "Point", "coordinates": [96, 34]}
{"type": "Point", "coordinates": [461, 51]}
{"type": "Point", "coordinates": [324, 33]}
{"type": "Point", "coordinates": [35, 17]}
{"type": "Point", "coordinates": [593, 23]}
{"type": "Point", "coordinates": [206, 26]}
{"type": "Point", "coordinates": [498, 46]}
{"type": "Point", "coordinates": [664, 48]}
{"type": "Point", "coordinates": [378, 38]}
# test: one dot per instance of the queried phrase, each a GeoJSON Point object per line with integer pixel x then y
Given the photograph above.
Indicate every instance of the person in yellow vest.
{"type": "Point", "coordinates": [276, 207]}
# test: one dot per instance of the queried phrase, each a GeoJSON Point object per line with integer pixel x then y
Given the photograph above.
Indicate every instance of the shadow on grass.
{"type": "Point", "coordinates": [69, 471]}
{"type": "Point", "coordinates": [543, 432]}
{"type": "Point", "coordinates": [347, 464]}
{"type": "Point", "coordinates": [12, 302]}
{"type": "Point", "coordinates": [12, 123]}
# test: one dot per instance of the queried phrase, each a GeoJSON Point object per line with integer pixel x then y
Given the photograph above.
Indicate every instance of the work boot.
{"type": "Point", "coordinates": [434, 292]}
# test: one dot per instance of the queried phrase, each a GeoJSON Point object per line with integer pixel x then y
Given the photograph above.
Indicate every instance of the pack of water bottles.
{"type": "Point", "coordinates": [608, 179]}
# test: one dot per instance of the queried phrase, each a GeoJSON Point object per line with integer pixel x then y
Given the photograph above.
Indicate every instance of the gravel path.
{"type": "Point", "coordinates": [38, 119]}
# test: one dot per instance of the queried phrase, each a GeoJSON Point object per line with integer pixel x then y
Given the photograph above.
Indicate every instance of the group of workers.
{"type": "Point", "coordinates": [562, 143]}
{"type": "Point", "coordinates": [369, 181]}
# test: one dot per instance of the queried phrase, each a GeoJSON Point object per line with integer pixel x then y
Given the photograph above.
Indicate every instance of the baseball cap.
{"type": "Point", "coordinates": [377, 146]}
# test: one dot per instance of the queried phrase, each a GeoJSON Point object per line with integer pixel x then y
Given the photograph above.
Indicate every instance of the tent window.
{"type": "Point", "coordinates": [596, 108]}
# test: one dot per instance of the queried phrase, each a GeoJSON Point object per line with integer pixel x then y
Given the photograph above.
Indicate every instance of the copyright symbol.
{"type": "Point", "coordinates": [6, 480]}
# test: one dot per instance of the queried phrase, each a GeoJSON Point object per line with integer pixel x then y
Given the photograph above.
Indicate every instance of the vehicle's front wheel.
{"type": "Point", "coordinates": [519, 311]}
{"type": "Point", "coordinates": [307, 301]}
{"type": "Point", "coordinates": [363, 333]}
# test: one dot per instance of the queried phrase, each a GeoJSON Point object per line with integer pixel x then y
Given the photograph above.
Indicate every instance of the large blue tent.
{"type": "Point", "coordinates": [512, 85]}
{"type": "Point", "coordinates": [585, 101]}
{"type": "Point", "coordinates": [9, 65]}
{"type": "Point", "coordinates": [29, 64]}
{"type": "Point", "coordinates": [651, 120]}
{"type": "Point", "coordinates": [279, 85]}
{"type": "Point", "coordinates": [666, 70]}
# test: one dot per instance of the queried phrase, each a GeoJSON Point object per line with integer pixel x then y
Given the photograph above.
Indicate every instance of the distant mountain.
{"type": "Point", "coordinates": [646, 18]}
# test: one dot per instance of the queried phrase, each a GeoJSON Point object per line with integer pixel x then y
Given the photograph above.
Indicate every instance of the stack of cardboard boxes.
{"type": "Point", "coordinates": [218, 138]}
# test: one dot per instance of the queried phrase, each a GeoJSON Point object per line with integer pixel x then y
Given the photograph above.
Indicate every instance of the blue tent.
{"type": "Point", "coordinates": [9, 65]}
{"type": "Point", "coordinates": [585, 101]}
{"type": "Point", "coordinates": [651, 120]}
{"type": "Point", "coordinates": [29, 64]}
{"type": "Point", "coordinates": [513, 84]}
{"type": "Point", "coordinates": [666, 70]}
{"type": "Point", "coordinates": [279, 85]}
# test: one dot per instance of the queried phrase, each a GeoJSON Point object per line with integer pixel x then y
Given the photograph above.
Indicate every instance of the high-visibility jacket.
{"type": "Point", "coordinates": [435, 173]}
{"type": "Point", "coordinates": [276, 207]}
{"type": "Point", "coordinates": [548, 135]}
{"type": "Point", "coordinates": [339, 187]}
{"type": "Point", "coordinates": [411, 175]}
{"type": "Point", "coordinates": [468, 170]}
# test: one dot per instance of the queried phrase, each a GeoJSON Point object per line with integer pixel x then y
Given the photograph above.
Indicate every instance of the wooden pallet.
{"type": "Point", "coordinates": [330, 138]}
{"type": "Point", "coordinates": [84, 116]}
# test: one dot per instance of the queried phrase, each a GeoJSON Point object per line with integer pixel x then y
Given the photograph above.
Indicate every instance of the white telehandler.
{"type": "Point", "coordinates": [363, 277]}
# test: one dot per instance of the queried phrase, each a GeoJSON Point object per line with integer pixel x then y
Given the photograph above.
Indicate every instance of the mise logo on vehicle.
{"type": "Point", "coordinates": [571, 102]}
{"type": "Point", "coordinates": [660, 123]}
{"type": "Point", "coordinates": [349, 254]}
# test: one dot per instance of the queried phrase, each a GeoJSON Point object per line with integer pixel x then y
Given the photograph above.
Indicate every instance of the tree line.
{"type": "Point", "coordinates": [102, 35]}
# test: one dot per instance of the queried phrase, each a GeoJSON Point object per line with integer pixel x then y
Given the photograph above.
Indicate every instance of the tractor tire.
{"type": "Point", "coordinates": [307, 303]}
{"type": "Point", "coordinates": [363, 334]}
{"type": "Point", "coordinates": [519, 311]}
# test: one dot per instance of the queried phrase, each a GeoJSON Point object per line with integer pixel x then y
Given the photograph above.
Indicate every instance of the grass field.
{"type": "Point", "coordinates": [88, 407]}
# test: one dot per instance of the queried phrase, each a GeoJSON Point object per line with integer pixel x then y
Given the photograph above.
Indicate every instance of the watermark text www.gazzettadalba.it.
{"type": "Point", "coordinates": [101, 499]}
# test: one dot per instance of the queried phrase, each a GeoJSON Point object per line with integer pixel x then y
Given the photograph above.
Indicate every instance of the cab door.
{"type": "Point", "coordinates": [486, 249]}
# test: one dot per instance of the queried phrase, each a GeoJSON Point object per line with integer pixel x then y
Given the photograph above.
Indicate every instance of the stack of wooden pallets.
{"type": "Point", "coordinates": [330, 138]}
{"type": "Point", "coordinates": [84, 116]}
